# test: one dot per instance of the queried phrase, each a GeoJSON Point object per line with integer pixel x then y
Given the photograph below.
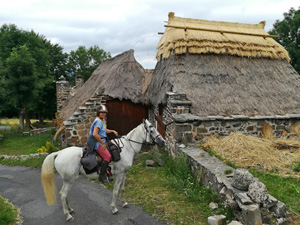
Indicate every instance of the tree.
{"type": "Point", "coordinates": [21, 79]}
{"type": "Point", "coordinates": [288, 31]}
{"type": "Point", "coordinates": [50, 63]}
{"type": "Point", "coordinates": [84, 61]}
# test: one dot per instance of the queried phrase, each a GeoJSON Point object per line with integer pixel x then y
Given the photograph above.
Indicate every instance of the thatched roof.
{"type": "Point", "coordinates": [228, 85]}
{"type": "Point", "coordinates": [120, 77]}
{"type": "Point", "coordinates": [201, 36]}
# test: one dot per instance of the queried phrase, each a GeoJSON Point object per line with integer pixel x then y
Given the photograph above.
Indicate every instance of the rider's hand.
{"type": "Point", "coordinates": [115, 132]}
{"type": "Point", "coordinates": [103, 147]}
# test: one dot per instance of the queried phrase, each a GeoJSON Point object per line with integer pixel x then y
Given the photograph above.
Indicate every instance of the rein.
{"type": "Point", "coordinates": [146, 143]}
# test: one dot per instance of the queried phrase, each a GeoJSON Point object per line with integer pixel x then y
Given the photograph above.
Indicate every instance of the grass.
{"type": "Point", "coordinates": [23, 145]}
{"type": "Point", "coordinates": [30, 162]}
{"type": "Point", "coordinates": [9, 215]}
{"type": "Point", "coordinates": [170, 194]}
{"type": "Point", "coordinates": [14, 144]}
{"type": "Point", "coordinates": [13, 122]}
{"type": "Point", "coordinates": [285, 189]}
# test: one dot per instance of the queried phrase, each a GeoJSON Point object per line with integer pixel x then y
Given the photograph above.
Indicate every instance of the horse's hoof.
{"type": "Point", "coordinates": [125, 205]}
{"type": "Point", "coordinates": [71, 211]}
{"type": "Point", "coordinates": [114, 210]}
{"type": "Point", "coordinates": [70, 218]}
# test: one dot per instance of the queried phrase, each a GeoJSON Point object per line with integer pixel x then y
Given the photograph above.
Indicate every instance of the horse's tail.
{"type": "Point", "coordinates": [48, 180]}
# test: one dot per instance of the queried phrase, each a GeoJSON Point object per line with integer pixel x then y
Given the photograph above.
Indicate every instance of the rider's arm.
{"type": "Point", "coordinates": [112, 131]}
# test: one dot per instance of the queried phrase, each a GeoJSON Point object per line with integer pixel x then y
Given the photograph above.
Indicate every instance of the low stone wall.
{"type": "Point", "coordinates": [35, 155]}
{"type": "Point", "coordinates": [194, 127]}
{"type": "Point", "coordinates": [38, 131]}
{"type": "Point", "coordinates": [184, 127]}
{"type": "Point", "coordinates": [252, 205]}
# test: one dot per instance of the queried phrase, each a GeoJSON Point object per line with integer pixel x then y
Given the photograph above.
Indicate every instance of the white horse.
{"type": "Point", "coordinates": [67, 163]}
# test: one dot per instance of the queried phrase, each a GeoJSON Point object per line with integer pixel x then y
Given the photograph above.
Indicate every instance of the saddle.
{"type": "Point", "coordinates": [91, 160]}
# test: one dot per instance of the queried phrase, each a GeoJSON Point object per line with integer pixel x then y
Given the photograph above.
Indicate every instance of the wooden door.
{"type": "Point", "coordinates": [123, 116]}
{"type": "Point", "coordinates": [161, 128]}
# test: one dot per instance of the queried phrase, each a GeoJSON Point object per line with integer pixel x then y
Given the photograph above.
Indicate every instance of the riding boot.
{"type": "Point", "coordinates": [103, 174]}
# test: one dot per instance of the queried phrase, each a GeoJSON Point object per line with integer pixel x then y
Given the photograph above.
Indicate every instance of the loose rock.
{"type": "Point", "coordinates": [242, 179]}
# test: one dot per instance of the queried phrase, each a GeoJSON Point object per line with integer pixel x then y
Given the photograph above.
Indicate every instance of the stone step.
{"type": "Point", "coordinates": [72, 118]}
{"type": "Point", "coordinates": [181, 102]}
{"type": "Point", "coordinates": [77, 113]}
{"type": "Point", "coordinates": [89, 103]}
{"type": "Point", "coordinates": [82, 107]}
{"type": "Point", "coordinates": [95, 99]}
{"type": "Point", "coordinates": [68, 123]}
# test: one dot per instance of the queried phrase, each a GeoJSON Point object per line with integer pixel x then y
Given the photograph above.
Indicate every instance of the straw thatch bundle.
{"type": "Point", "coordinates": [184, 35]}
{"type": "Point", "coordinates": [254, 152]}
{"type": "Point", "coordinates": [120, 77]}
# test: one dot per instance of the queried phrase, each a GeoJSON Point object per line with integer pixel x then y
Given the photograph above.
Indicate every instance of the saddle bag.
{"type": "Point", "coordinates": [114, 151]}
{"type": "Point", "coordinates": [89, 161]}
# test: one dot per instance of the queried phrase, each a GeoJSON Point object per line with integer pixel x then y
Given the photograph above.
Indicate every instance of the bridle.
{"type": "Point", "coordinates": [153, 139]}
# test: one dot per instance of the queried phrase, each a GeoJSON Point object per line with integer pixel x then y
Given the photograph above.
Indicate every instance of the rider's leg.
{"type": "Point", "coordinates": [104, 153]}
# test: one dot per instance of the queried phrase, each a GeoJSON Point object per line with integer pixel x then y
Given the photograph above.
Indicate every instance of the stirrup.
{"type": "Point", "coordinates": [103, 179]}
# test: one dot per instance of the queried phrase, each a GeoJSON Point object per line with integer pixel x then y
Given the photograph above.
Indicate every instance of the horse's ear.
{"type": "Point", "coordinates": [143, 120]}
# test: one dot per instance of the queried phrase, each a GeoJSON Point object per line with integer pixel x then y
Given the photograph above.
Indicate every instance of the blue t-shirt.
{"type": "Point", "coordinates": [102, 130]}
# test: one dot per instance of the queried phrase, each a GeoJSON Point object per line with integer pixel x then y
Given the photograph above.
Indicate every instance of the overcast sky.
{"type": "Point", "coordinates": [119, 25]}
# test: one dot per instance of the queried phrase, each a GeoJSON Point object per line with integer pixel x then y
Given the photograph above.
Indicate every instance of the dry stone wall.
{"type": "Point", "coordinates": [78, 126]}
{"type": "Point", "coordinates": [184, 127]}
{"type": "Point", "coordinates": [62, 92]}
{"type": "Point", "coordinates": [239, 190]}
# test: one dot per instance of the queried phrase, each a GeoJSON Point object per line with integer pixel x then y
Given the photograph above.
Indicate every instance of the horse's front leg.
{"type": "Point", "coordinates": [118, 182]}
{"type": "Point", "coordinates": [125, 204]}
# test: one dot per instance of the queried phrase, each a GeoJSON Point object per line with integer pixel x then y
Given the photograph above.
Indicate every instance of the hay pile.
{"type": "Point", "coordinates": [268, 153]}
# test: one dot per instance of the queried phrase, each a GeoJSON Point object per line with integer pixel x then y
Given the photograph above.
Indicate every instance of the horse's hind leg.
{"type": "Point", "coordinates": [118, 182]}
{"type": "Point", "coordinates": [63, 197]}
{"type": "Point", "coordinates": [125, 204]}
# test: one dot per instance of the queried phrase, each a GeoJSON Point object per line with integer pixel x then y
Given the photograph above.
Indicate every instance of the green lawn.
{"type": "Point", "coordinates": [8, 213]}
{"type": "Point", "coordinates": [169, 193]}
{"type": "Point", "coordinates": [22, 145]}
{"type": "Point", "coordinates": [286, 190]}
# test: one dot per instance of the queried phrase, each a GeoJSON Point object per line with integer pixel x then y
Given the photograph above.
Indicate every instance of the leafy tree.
{"type": "Point", "coordinates": [84, 61]}
{"type": "Point", "coordinates": [50, 63]}
{"type": "Point", "coordinates": [21, 77]}
{"type": "Point", "coordinates": [288, 31]}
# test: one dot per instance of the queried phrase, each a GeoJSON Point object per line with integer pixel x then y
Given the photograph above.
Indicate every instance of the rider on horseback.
{"type": "Point", "coordinates": [98, 131]}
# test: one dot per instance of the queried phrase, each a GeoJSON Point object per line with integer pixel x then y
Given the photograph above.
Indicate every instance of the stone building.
{"type": "Point", "coordinates": [211, 77]}
{"type": "Point", "coordinates": [219, 77]}
{"type": "Point", "coordinates": [120, 83]}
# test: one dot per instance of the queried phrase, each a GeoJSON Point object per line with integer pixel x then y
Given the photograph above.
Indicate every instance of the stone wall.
{"type": "Point", "coordinates": [62, 92]}
{"type": "Point", "coordinates": [184, 127]}
{"type": "Point", "coordinates": [78, 126]}
{"type": "Point", "coordinates": [239, 190]}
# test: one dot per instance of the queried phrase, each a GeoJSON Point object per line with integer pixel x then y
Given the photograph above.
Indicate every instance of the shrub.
{"type": "Point", "coordinates": [48, 148]}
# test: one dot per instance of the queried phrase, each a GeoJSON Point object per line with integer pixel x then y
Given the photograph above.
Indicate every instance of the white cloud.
{"type": "Point", "coordinates": [119, 25]}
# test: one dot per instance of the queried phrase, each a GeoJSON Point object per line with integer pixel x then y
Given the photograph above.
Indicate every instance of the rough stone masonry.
{"type": "Point", "coordinates": [244, 194]}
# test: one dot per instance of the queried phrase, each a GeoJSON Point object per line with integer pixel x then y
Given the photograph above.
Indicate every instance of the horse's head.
{"type": "Point", "coordinates": [152, 135]}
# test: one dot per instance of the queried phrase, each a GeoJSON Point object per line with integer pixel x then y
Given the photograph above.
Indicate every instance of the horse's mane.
{"type": "Point", "coordinates": [128, 136]}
